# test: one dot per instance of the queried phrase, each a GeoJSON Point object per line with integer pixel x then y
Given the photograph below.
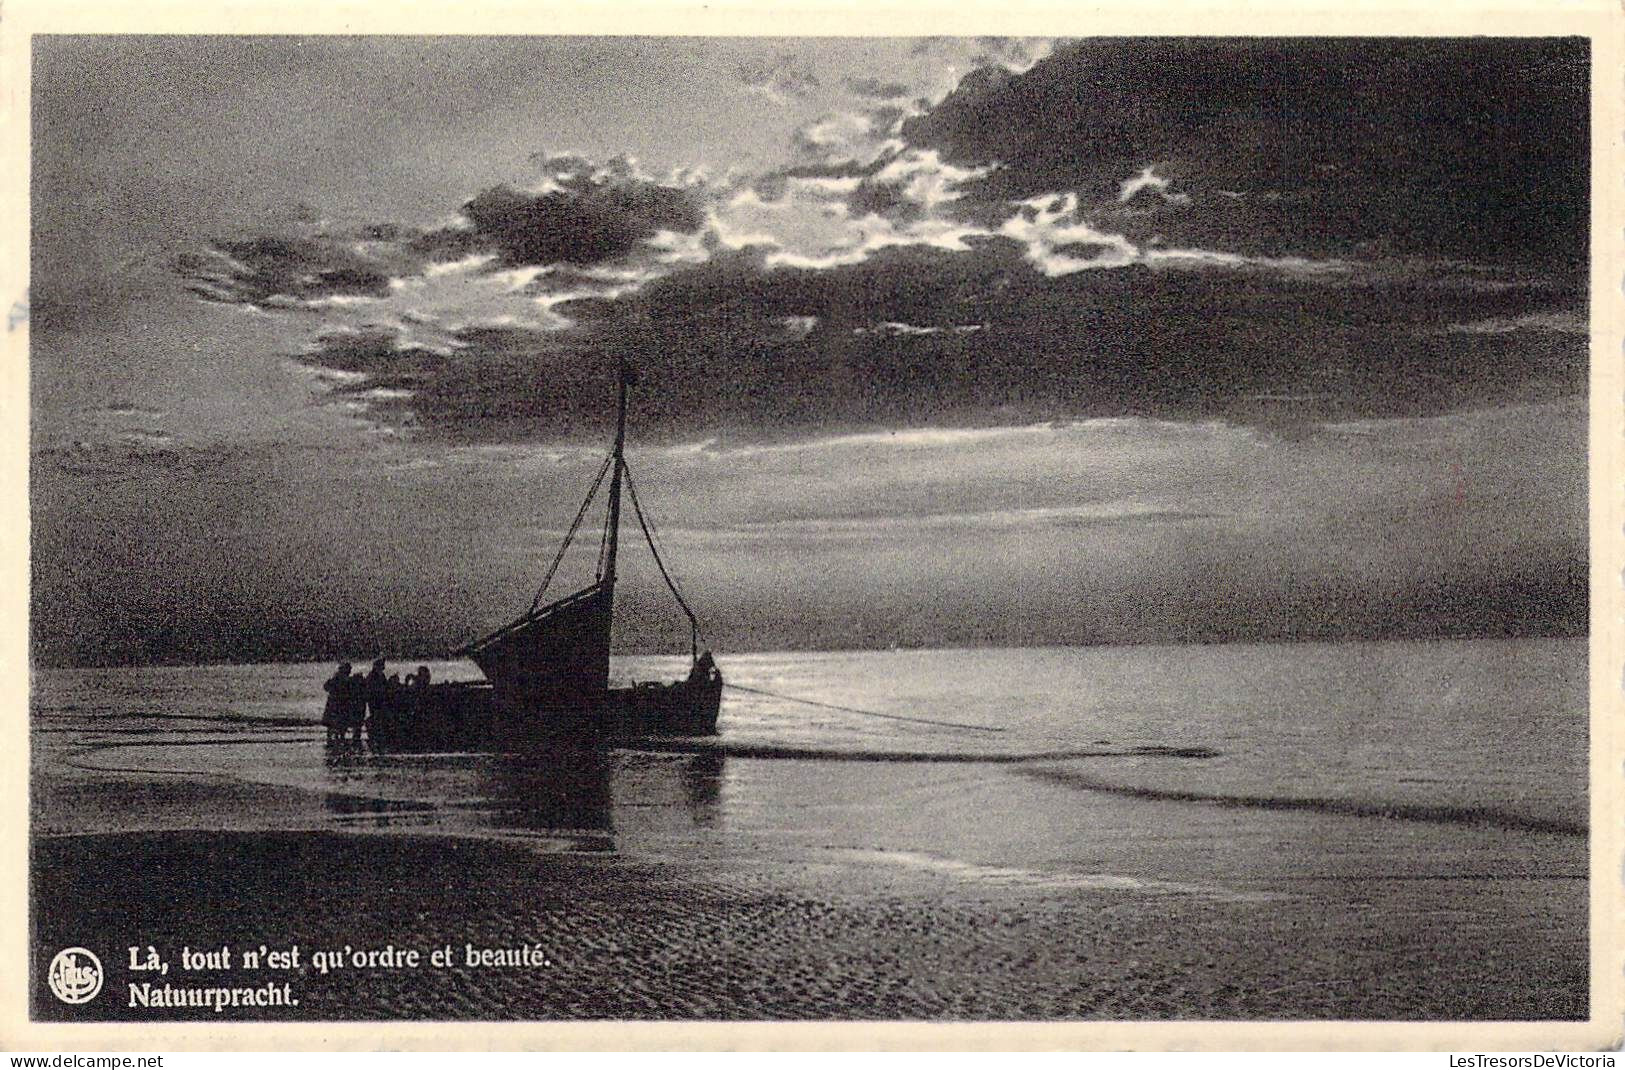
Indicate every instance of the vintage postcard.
{"type": "Point", "coordinates": [774, 525]}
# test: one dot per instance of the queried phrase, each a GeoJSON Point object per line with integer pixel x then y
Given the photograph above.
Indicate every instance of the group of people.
{"type": "Point", "coordinates": [355, 700]}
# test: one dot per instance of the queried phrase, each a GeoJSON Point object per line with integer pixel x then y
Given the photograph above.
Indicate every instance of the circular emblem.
{"type": "Point", "coordinates": [75, 975]}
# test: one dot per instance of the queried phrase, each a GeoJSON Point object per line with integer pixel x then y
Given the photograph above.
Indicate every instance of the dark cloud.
{"type": "Point", "coordinates": [876, 88]}
{"type": "Point", "coordinates": [771, 186]}
{"type": "Point", "coordinates": [446, 244]}
{"type": "Point", "coordinates": [377, 352]}
{"type": "Point", "coordinates": [589, 219]}
{"type": "Point", "coordinates": [838, 169]}
{"type": "Point", "coordinates": [1087, 251]}
{"type": "Point", "coordinates": [1157, 219]}
{"type": "Point", "coordinates": [496, 384]}
{"type": "Point", "coordinates": [917, 335]}
{"type": "Point", "coordinates": [1103, 342]}
{"type": "Point", "coordinates": [1472, 148]}
{"type": "Point", "coordinates": [887, 199]}
{"type": "Point", "coordinates": [888, 118]}
{"type": "Point", "coordinates": [258, 269]}
{"type": "Point", "coordinates": [579, 226]}
{"type": "Point", "coordinates": [590, 216]}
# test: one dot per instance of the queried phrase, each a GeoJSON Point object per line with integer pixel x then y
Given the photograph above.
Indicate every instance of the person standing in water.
{"type": "Point", "coordinates": [335, 714]}
{"type": "Point", "coordinates": [355, 705]}
{"type": "Point", "coordinates": [376, 694]}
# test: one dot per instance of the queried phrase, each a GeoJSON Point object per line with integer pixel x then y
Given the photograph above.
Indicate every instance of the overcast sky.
{"type": "Point", "coordinates": [941, 341]}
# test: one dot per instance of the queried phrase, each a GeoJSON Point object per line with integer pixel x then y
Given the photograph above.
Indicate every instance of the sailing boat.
{"type": "Point", "coordinates": [547, 672]}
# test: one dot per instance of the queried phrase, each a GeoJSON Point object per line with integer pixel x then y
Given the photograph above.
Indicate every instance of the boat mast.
{"type": "Point", "coordinates": [619, 464]}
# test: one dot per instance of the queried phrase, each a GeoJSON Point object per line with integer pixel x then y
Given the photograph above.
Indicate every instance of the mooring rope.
{"type": "Point", "coordinates": [866, 713]}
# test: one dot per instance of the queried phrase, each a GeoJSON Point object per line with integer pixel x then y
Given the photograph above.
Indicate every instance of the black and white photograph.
{"type": "Point", "coordinates": [569, 527]}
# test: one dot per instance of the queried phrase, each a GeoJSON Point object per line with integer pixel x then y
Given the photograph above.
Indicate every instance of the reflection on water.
{"type": "Point", "coordinates": [702, 787]}
{"type": "Point", "coordinates": [567, 791]}
{"type": "Point", "coordinates": [377, 813]}
{"type": "Point", "coordinates": [582, 798]}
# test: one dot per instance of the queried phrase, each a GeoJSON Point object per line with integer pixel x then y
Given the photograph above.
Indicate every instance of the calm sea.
{"type": "Point", "coordinates": [1448, 731]}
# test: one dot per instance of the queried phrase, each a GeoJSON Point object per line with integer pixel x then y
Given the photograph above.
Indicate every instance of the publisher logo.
{"type": "Point", "coordinates": [75, 975]}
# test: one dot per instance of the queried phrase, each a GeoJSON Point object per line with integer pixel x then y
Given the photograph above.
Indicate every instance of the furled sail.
{"type": "Point", "coordinates": [554, 659]}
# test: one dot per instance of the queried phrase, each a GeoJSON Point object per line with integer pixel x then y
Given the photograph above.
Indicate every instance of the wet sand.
{"type": "Point", "coordinates": [627, 938]}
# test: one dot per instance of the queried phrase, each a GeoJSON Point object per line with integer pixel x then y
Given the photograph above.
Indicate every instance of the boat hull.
{"type": "Point", "coordinates": [683, 708]}
{"type": "Point", "coordinates": [473, 717]}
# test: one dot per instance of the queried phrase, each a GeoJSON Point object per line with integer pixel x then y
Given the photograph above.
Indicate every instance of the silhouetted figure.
{"type": "Point", "coordinates": [355, 706]}
{"type": "Point", "coordinates": [416, 683]}
{"type": "Point", "coordinates": [397, 711]}
{"type": "Point", "coordinates": [375, 694]}
{"type": "Point", "coordinates": [336, 712]}
{"type": "Point", "coordinates": [705, 669]}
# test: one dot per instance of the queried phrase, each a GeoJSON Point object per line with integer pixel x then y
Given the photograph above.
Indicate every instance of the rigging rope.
{"type": "Point", "coordinates": [637, 509]}
{"type": "Point", "coordinates": [656, 543]}
{"type": "Point", "coordinates": [603, 538]}
{"type": "Point", "coordinates": [652, 532]}
{"type": "Point", "coordinates": [866, 713]}
{"type": "Point", "coordinates": [574, 524]}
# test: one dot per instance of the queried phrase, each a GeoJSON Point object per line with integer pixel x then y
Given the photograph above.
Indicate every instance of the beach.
{"type": "Point", "coordinates": [802, 875]}
{"type": "Point", "coordinates": [624, 940]}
